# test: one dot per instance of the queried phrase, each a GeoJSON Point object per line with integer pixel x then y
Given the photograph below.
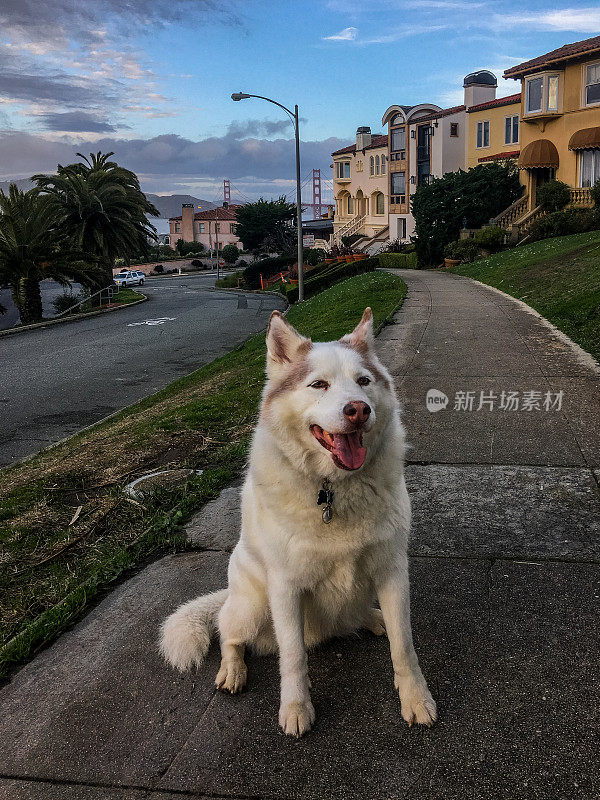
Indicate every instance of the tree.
{"type": "Point", "coordinates": [33, 246]}
{"type": "Point", "coordinates": [230, 254]}
{"type": "Point", "coordinates": [266, 222]}
{"type": "Point", "coordinates": [476, 196]}
{"type": "Point", "coordinates": [102, 209]}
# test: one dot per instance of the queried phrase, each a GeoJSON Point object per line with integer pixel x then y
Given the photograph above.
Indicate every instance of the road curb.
{"type": "Point", "coordinates": [77, 318]}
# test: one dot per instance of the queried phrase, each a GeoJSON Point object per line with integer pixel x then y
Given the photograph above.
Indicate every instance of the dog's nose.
{"type": "Point", "coordinates": [357, 412]}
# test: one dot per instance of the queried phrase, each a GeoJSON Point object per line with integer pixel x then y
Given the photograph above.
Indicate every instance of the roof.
{"type": "Point", "coordinates": [500, 101]}
{"type": "Point", "coordinates": [221, 214]}
{"type": "Point", "coordinates": [445, 112]}
{"type": "Point", "coordinates": [500, 156]}
{"type": "Point", "coordinates": [377, 140]}
{"type": "Point", "coordinates": [568, 52]}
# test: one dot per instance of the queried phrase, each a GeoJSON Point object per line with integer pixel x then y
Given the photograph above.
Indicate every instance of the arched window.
{"type": "Point", "coordinates": [379, 203]}
{"type": "Point", "coordinates": [372, 166]}
{"type": "Point", "coordinates": [377, 165]}
{"type": "Point", "coordinates": [383, 160]}
{"type": "Point", "coordinates": [350, 206]}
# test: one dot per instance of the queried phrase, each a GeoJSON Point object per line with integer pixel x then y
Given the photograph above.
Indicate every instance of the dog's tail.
{"type": "Point", "coordinates": [185, 635]}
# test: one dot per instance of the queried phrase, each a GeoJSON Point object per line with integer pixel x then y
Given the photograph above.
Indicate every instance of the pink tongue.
{"type": "Point", "coordinates": [347, 447]}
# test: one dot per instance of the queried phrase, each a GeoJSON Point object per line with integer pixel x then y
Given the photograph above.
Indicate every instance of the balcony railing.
{"type": "Point", "coordinates": [581, 197]}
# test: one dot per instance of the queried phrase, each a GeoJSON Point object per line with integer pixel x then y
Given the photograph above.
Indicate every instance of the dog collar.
{"type": "Point", "coordinates": [325, 496]}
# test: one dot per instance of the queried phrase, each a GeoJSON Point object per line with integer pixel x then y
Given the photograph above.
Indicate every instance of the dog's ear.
{"type": "Point", "coordinates": [362, 337]}
{"type": "Point", "coordinates": [284, 343]}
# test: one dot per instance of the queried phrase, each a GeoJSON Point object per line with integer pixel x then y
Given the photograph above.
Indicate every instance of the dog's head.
{"type": "Point", "coordinates": [325, 403]}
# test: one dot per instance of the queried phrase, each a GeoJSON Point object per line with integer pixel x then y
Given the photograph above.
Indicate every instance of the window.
{"type": "Point", "coordinates": [383, 162]}
{"type": "Point", "coordinates": [534, 95]}
{"type": "Point", "coordinates": [359, 167]}
{"type": "Point", "coordinates": [589, 167]}
{"type": "Point", "coordinates": [398, 120]}
{"type": "Point", "coordinates": [376, 165]}
{"type": "Point", "coordinates": [372, 166]}
{"type": "Point", "coordinates": [592, 84]}
{"type": "Point", "coordinates": [217, 227]}
{"type": "Point", "coordinates": [177, 227]}
{"type": "Point", "coordinates": [454, 129]}
{"type": "Point", "coordinates": [552, 93]}
{"type": "Point", "coordinates": [402, 228]}
{"type": "Point", "coordinates": [398, 182]}
{"type": "Point", "coordinates": [202, 227]}
{"type": "Point", "coordinates": [379, 203]}
{"type": "Point", "coordinates": [399, 139]}
{"type": "Point", "coordinates": [350, 206]}
{"type": "Point", "coordinates": [483, 134]}
{"type": "Point", "coordinates": [511, 129]}
{"type": "Point", "coordinates": [342, 169]}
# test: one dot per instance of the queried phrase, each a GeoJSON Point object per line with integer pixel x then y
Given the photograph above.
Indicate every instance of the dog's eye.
{"type": "Point", "coordinates": [364, 381]}
{"type": "Point", "coordinates": [319, 385]}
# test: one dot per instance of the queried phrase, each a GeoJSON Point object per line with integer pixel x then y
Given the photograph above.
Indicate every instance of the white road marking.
{"type": "Point", "coordinates": [160, 321]}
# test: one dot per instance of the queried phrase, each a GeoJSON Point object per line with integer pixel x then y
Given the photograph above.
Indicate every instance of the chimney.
{"type": "Point", "coordinates": [480, 87]}
{"type": "Point", "coordinates": [187, 222]}
{"type": "Point", "coordinates": [363, 137]}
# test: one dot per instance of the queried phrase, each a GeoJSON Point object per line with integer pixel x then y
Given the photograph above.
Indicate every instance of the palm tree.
{"type": "Point", "coordinates": [33, 247]}
{"type": "Point", "coordinates": [102, 208]}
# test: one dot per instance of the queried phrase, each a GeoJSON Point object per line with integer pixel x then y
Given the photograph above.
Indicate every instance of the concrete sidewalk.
{"type": "Point", "coordinates": [505, 594]}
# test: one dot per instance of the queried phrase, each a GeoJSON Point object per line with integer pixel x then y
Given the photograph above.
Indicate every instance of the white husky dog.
{"type": "Point", "coordinates": [329, 432]}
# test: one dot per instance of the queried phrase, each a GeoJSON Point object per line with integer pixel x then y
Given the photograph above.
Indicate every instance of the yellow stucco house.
{"type": "Point", "coordinates": [494, 131]}
{"type": "Point", "coordinates": [559, 125]}
{"type": "Point", "coordinates": [360, 189]}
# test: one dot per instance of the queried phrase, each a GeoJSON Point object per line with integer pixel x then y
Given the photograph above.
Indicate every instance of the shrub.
{"type": "Point", "coordinates": [196, 263]}
{"type": "Point", "coordinates": [553, 196]}
{"type": "Point", "coordinates": [159, 268]}
{"type": "Point", "coordinates": [230, 254]}
{"type": "Point", "coordinates": [65, 300]}
{"type": "Point", "coordinates": [189, 248]}
{"type": "Point", "coordinates": [314, 256]}
{"type": "Point", "coordinates": [348, 241]}
{"type": "Point", "coordinates": [396, 246]}
{"type": "Point", "coordinates": [595, 192]}
{"type": "Point", "coordinates": [491, 238]}
{"type": "Point", "coordinates": [463, 250]}
{"type": "Point", "coordinates": [398, 260]}
{"type": "Point", "coordinates": [563, 223]}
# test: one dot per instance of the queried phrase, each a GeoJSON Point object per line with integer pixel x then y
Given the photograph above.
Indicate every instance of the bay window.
{"type": "Point", "coordinates": [542, 94]}
{"type": "Point", "coordinates": [398, 139]}
{"type": "Point", "coordinates": [589, 167]}
{"type": "Point", "coordinates": [342, 169]}
{"type": "Point", "coordinates": [398, 182]}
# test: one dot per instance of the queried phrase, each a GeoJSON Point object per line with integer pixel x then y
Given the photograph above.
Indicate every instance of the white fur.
{"type": "Point", "coordinates": [294, 581]}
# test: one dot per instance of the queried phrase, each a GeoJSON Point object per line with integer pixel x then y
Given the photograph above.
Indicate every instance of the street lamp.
{"type": "Point", "coordinates": [294, 115]}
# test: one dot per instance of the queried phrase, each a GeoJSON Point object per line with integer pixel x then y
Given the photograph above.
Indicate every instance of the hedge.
{"type": "Point", "coordinates": [332, 274]}
{"type": "Point", "coordinates": [266, 268]}
{"type": "Point", "coordinates": [398, 260]}
{"type": "Point", "coordinates": [564, 223]}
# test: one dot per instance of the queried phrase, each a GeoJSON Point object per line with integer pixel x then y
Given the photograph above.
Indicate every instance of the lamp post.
{"type": "Point", "coordinates": [294, 115]}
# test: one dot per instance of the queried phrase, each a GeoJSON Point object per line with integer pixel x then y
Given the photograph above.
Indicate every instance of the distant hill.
{"type": "Point", "coordinates": [169, 205]}
{"type": "Point", "coordinates": [23, 183]}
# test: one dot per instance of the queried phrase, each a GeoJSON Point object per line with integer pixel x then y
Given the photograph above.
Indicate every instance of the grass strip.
{"type": "Point", "coordinates": [51, 567]}
{"type": "Point", "coordinates": [558, 277]}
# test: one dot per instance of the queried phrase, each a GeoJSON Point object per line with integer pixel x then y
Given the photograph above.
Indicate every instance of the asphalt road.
{"type": "Point", "coordinates": [56, 380]}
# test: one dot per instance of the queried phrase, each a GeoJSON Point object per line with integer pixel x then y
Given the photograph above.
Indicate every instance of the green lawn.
{"type": "Point", "coordinates": [559, 277]}
{"type": "Point", "coordinates": [126, 295]}
{"type": "Point", "coordinates": [52, 565]}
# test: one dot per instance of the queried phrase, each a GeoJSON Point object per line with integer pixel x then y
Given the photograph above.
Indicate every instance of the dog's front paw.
{"type": "Point", "coordinates": [232, 676]}
{"type": "Point", "coordinates": [417, 704]}
{"type": "Point", "coordinates": [296, 717]}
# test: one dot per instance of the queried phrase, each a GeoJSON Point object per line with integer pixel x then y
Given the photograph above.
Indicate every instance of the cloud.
{"type": "Point", "coordinates": [451, 4]}
{"type": "Point", "coordinates": [347, 35]}
{"type": "Point", "coordinates": [257, 127]}
{"type": "Point", "coordinates": [75, 122]}
{"type": "Point", "coordinates": [580, 20]}
{"type": "Point", "coordinates": [170, 160]}
{"type": "Point", "coordinates": [33, 87]}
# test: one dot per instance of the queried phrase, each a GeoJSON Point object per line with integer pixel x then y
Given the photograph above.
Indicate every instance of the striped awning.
{"type": "Point", "coordinates": [585, 139]}
{"type": "Point", "coordinates": [540, 153]}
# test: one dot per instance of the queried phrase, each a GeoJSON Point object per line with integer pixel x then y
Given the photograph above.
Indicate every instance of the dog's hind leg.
{"type": "Point", "coordinates": [375, 622]}
{"type": "Point", "coordinates": [239, 622]}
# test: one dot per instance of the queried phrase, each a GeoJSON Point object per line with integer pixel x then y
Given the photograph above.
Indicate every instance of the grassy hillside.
{"type": "Point", "coordinates": [559, 277]}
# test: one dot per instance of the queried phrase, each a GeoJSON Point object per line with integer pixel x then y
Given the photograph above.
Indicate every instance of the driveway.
{"type": "Point", "coordinates": [505, 584]}
{"type": "Point", "coordinates": [61, 378]}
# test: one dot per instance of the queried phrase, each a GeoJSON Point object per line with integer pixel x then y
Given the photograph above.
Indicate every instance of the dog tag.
{"type": "Point", "coordinates": [322, 498]}
{"type": "Point", "coordinates": [327, 514]}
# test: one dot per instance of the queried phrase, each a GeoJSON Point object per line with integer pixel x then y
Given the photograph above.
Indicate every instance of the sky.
{"type": "Point", "coordinates": [151, 79]}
